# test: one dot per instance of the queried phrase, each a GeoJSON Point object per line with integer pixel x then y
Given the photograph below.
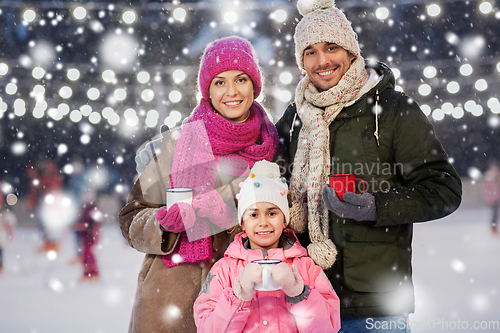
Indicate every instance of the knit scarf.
{"type": "Point", "coordinates": [208, 145]}
{"type": "Point", "coordinates": [318, 110]}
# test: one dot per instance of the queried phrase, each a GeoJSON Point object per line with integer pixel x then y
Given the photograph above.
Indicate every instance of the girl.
{"type": "Point", "coordinates": [228, 301]}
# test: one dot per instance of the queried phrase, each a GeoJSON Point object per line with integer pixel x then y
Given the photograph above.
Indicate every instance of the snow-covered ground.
{"type": "Point", "coordinates": [456, 275]}
{"type": "Point", "coordinates": [40, 295]}
{"type": "Point", "coordinates": [456, 263]}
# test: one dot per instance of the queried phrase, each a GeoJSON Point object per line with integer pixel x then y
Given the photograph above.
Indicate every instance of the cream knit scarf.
{"type": "Point", "coordinates": [318, 110]}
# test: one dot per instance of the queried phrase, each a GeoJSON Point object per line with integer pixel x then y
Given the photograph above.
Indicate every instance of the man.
{"type": "Point", "coordinates": [347, 118]}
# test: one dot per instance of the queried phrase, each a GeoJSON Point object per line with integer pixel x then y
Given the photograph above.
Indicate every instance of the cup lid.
{"type": "Point", "coordinates": [267, 261]}
{"type": "Point", "coordinates": [179, 189]}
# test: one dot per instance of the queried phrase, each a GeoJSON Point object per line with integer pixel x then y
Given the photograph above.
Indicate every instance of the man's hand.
{"type": "Point", "coordinates": [359, 207]}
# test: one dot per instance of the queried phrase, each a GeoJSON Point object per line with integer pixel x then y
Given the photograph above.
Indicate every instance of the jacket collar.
{"type": "Point", "coordinates": [373, 80]}
{"type": "Point", "coordinates": [383, 78]}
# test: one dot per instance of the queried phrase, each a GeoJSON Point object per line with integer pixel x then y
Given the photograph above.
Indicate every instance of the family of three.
{"type": "Point", "coordinates": [198, 273]}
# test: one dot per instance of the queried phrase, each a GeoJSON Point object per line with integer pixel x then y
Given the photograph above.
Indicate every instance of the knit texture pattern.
{"type": "Point", "coordinates": [323, 22]}
{"type": "Point", "coordinates": [317, 110]}
{"type": "Point", "coordinates": [264, 184]}
{"type": "Point", "coordinates": [206, 142]}
{"type": "Point", "coordinates": [225, 54]}
{"type": "Point", "coordinates": [209, 204]}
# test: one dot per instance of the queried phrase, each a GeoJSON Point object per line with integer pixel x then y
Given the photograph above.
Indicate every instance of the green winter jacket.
{"type": "Point", "coordinates": [407, 171]}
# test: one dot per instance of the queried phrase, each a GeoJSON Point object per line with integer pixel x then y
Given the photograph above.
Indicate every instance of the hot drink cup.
{"type": "Point", "coordinates": [267, 278]}
{"type": "Point", "coordinates": [179, 194]}
{"type": "Point", "coordinates": [343, 183]}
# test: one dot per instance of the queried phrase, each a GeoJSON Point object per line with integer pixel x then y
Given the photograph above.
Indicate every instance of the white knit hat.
{"type": "Point", "coordinates": [264, 184]}
{"type": "Point", "coordinates": [323, 22]}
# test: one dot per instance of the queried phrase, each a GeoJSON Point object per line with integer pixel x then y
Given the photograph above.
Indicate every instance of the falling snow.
{"type": "Point", "coordinates": [96, 80]}
{"type": "Point", "coordinates": [455, 275]}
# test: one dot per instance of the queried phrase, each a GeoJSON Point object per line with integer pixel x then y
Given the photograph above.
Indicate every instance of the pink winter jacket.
{"type": "Point", "coordinates": [217, 309]}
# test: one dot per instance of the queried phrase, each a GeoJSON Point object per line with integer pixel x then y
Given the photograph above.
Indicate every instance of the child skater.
{"type": "Point", "coordinates": [228, 302]}
{"type": "Point", "coordinates": [8, 221]}
{"type": "Point", "coordinates": [87, 228]}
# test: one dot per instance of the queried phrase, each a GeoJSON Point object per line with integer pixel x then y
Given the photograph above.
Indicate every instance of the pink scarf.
{"type": "Point", "coordinates": [208, 145]}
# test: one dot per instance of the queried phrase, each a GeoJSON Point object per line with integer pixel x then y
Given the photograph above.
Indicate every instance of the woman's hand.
{"type": "Point", "coordinates": [209, 204]}
{"type": "Point", "coordinates": [178, 218]}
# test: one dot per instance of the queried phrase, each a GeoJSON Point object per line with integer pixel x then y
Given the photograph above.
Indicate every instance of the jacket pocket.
{"type": "Point", "coordinates": [371, 258]}
{"type": "Point", "coordinates": [146, 267]}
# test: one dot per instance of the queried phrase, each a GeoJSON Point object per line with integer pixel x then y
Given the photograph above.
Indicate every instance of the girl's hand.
{"type": "Point", "coordinates": [244, 286]}
{"type": "Point", "coordinates": [289, 280]}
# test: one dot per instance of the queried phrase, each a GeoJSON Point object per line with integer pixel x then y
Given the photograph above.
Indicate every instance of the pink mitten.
{"type": "Point", "coordinates": [208, 203]}
{"type": "Point", "coordinates": [289, 280]}
{"type": "Point", "coordinates": [178, 218]}
{"type": "Point", "coordinates": [243, 287]}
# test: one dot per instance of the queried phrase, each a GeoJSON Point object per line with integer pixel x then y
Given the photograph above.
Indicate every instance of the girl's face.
{"type": "Point", "coordinates": [263, 222]}
{"type": "Point", "coordinates": [231, 94]}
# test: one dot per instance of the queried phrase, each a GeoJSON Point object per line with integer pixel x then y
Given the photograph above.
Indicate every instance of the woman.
{"type": "Point", "coordinates": [218, 144]}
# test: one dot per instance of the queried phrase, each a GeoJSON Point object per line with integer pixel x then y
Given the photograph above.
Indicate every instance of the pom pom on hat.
{"type": "Point", "coordinates": [307, 6]}
{"type": "Point", "coordinates": [265, 168]}
{"type": "Point", "coordinates": [264, 185]}
{"type": "Point", "coordinates": [323, 22]}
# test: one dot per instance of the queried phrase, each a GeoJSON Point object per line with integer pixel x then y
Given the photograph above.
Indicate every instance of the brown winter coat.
{"type": "Point", "coordinates": [165, 296]}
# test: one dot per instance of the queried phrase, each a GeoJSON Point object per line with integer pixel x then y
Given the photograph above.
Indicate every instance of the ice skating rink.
{"type": "Point", "coordinates": [42, 294]}
{"type": "Point", "coordinates": [456, 275]}
{"type": "Point", "coordinates": [456, 272]}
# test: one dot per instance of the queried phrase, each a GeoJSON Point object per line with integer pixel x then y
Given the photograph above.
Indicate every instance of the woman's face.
{"type": "Point", "coordinates": [231, 94]}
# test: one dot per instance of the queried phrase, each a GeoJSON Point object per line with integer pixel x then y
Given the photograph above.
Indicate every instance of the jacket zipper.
{"type": "Point", "coordinates": [377, 97]}
{"type": "Point", "coordinates": [231, 319]}
{"type": "Point", "coordinates": [292, 125]}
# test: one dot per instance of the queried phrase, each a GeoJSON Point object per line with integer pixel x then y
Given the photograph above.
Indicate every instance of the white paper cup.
{"type": "Point", "coordinates": [179, 194]}
{"type": "Point", "coordinates": [267, 278]}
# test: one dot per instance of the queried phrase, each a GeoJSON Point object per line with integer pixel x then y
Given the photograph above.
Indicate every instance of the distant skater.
{"type": "Point", "coordinates": [7, 224]}
{"type": "Point", "coordinates": [87, 229]}
{"type": "Point", "coordinates": [491, 193]}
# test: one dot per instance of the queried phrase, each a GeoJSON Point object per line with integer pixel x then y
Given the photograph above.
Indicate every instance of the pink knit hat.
{"type": "Point", "coordinates": [225, 54]}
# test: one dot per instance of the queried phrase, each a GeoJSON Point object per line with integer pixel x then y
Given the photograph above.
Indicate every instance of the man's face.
{"type": "Point", "coordinates": [325, 64]}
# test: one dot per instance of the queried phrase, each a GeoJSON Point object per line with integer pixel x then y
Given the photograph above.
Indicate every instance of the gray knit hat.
{"type": "Point", "coordinates": [323, 22]}
{"type": "Point", "coordinates": [264, 185]}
